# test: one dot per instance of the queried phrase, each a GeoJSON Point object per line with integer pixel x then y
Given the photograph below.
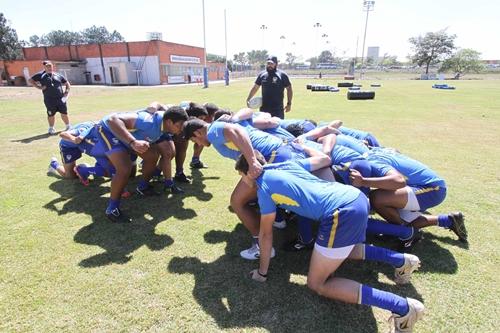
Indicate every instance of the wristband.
{"type": "Point", "coordinates": [263, 275]}
{"type": "Point", "coordinates": [132, 141]}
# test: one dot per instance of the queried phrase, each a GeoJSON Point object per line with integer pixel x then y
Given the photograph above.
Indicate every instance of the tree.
{"type": "Point", "coordinates": [313, 61]}
{"type": "Point", "coordinates": [100, 35]}
{"type": "Point", "coordinates": [462, 62]}
{"type": "Point", "coordinates": [432, 48]}
{"type": "Point", "coordinates": [59, 37]}
{"type": "Point", "coordinates": [326, 57]}
{"type": "Point", "coordinates": [10, 47]}
{"type": "Point", "coordinates": [290, 59]}
{"type": "Point", "coordinates": [216, 58]}
{"type": "Point", "coordinates": [257, 57]}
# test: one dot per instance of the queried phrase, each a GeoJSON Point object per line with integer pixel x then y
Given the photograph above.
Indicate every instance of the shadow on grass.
{"type": "Point", "coordinates": [226, 292]}
{"type": "Point", "coordinates": [119, 241]}
{"type": "Point", "coordinates": [35, 138]}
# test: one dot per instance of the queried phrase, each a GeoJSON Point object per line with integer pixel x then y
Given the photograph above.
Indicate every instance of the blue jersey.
{"type": "Point", "coordinates": [265, 143]}
{"type": "Point", "coordinates": [148, 126]}
{"type": "Point", "coordinates": [281, 133]}
{"type": "Point", "coordinates": [339, 154]}
{"type": "Point", "coordinates": [291, 186]}
{"type": "Point", "coordinates": [360, 135]}
{"type": "Point", "coordinates": [416, 173]}
{"type": "Point", "coordinates": [306, 124]}
{"type": "Point", "coordinates": [87, 131]}
{"type": "Point", "coordinates": [352, 143]}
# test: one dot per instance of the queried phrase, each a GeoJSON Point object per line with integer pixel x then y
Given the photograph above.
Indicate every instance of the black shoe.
{"type": "Point", "coordinates": [174, 189]}
{"type": "Point", "coordinates": [407, 244]}
{"type": "Point", "coordinates": [297, 245]}
{"type": "Point", "coordinates": [458, 226]}
{"type": "Point", "coordinates": [197, 165]}
{"type": "Point", "coordinates": [181, 178]}
{"type": "Point", "coordinates": [116, 216]}
{"type": "Point", "coordinates": [147, 192]}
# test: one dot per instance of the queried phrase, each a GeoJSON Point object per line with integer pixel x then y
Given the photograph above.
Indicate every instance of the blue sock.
{"type": "Point", "coordinates": [195, 159]}
{"type": "Point", "coordinates": [305, 230]}
{"type": "Point", "coordinates": [112, 204]}
{"type": "Point", "coordinates": [179, 171]}
{"type": "Point", "coordinates": [143, 185]}
{"type": "Point", "coordinates": [84, 171]}
{"type": "Point", "coordinates": [157, 172]}
{"type": "Point", "coordinates": [377, 227]}
{"type": "Point", "coordinates": [375, 253]}
{"type": "Point", "coordinates": [384, 300]}
{"type": "Point", "coordinates": [97, 170]}
{"type": "Point", "coordinates": [444, 221]}
{"type": "Point", "coordinates": [54, 164]}
{"type": "Point", "coordinates": [169, 183]}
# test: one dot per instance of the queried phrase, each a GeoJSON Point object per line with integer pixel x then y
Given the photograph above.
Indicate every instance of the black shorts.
{"type": "Point", "coordinates": [54, 106]}
{"type": "Point", "coordinates": [280, 112]}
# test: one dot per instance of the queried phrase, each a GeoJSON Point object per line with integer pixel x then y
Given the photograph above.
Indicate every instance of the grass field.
{"type": "Point", "coordinates": [177, 268]}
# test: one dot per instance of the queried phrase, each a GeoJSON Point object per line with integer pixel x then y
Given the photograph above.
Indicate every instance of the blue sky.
{"type": "Point", "coordinates": [476, 23]}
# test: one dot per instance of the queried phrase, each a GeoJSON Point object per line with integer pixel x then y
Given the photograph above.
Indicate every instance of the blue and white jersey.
{"type": "Point", "coordinates": [86, 130]}
{"type": "Point", "coordinates": [148, 126]}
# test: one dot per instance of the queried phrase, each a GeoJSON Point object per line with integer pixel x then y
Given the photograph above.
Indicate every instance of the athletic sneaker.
{"type": "Point", "coordinates": [408, 244]}
{"type": "Point", "coordinates": [403, 324]}
{"type": "Point", "coordinates": [52, 131]}
{"type": "Point", "coordinates": [197, 165]}
{"type": "Point", "coordinates": [458, 226]}
{"type": "Point", "coordinates": [82, 174]}
{"type": "Point", "coordinates": [116, 216]}
{"type": "Point", "coordinates": [146, 192]}
{"type": "Point", "coordinates": [174, 189]}
{"type": "Point", "coordinates": [297, 245]}
{"type": "Point", "coordinates": [52, 170]}
{"type": "Point", "coordinates": [279, 224]}
{"type": "Point", "coordinates": [402, 275]}
{"type": "Point", "coordinates": [253, 253]}
{"type": "Point", "coordinates": [181, 178]}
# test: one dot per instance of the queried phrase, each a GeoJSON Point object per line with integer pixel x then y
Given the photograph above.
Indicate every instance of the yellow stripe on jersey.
{"type": "Point", "coordinates": [334, 228]}
{"type": "Point", "coordinates": [104, 138]}
{"type": "Point", "coordinates": [273, 157]}
{"type": "Point", "coordinates": [281, 199]}
{"type": "Point", "coordinates": [231, 146]}
{"type": "Point", "coordinates": [426, 190]}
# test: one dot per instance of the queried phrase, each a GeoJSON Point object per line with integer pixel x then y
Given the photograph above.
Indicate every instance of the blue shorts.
{"type": "Point", "coordinates": [107, 143]}
{"type": "Point", "coordinates": [430, 195]}
{"type": "Point", "coordinates": [363, 166]}
{"type": "Point", "coordinates": [345, 226]}
{"type": "Point", "coordinates": [69, 154]}
{"type": "Point", "coordinates": [372, 141]}
{"type": "Point", "coordinates": [165, 137]}
{"type": "Point", "coordinates": [285, 153]}
{"type": "Point", "coordinates": [308, 126]}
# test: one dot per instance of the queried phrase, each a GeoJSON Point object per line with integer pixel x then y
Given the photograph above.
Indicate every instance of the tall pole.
{"type": "Point", "coordinates": [226, 71]}
{"type": "Point", "coordinates": [317, 26]}
{"type": "Point", "coordinates": [368, 7]}
{"type": "Point", "coordinates": [205, 69]}
{"type": "Point", "coordinates": [263, 28]}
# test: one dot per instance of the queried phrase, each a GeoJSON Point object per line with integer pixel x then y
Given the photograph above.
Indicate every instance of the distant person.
{"type": "Point", "coordinates": [273, 82]}
{"type": "Point", "coordinates": [51, 84]}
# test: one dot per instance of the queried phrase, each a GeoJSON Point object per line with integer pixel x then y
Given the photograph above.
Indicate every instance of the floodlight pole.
{"type": "Point", "coordinates": [367, 7]}
{"type": "Point", "coordinates": [205, 69]}
{"type": "Point", "coordinates": [226, 71]}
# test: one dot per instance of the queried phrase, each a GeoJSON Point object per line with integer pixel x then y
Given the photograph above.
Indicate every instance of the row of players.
{"type": "Point", "coordinates": [275, 168]}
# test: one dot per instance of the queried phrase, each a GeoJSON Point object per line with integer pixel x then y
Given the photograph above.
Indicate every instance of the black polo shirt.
{"type": "Point", "coordinates": [54, 83]}
{"type": "Point", "coordinates": [273, 86]}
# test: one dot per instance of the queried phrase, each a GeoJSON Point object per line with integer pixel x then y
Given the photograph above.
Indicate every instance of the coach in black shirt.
{"type": "Point", "coordinates": [54, 98]}
{"type": "Point", "coordinates": [273, 82]}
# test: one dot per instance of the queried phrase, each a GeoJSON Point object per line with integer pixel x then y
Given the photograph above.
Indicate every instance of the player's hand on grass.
{"type": "Point", "coordinates": [140, 146]}
{"type": "Point", "coordinates": [356, 178]}
{"type": "Point", "coordinates": [255, 275]}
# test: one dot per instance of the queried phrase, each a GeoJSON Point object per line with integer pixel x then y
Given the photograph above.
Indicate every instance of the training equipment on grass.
{"type": "Point", "coordinates": [320, 87]}
{"type": "Point", "coordinates": [255, 102]}
{"type": "Point", "coordinates": [333, 89]}
{"type": "Point", "coordinates": [376, 85]}
{"type": "Point", "coordinates": [354, 88]}
{"type": "Point", "coordinates": [353, 94]}
{"type": "Point", "coordinates": [308, 86]}
{"type": "Point", "coordinates": [344, 84]}
{"type": "Point", "coordinates": [443, 86]}
{"type": "Point", "coordinates": [357, 85]}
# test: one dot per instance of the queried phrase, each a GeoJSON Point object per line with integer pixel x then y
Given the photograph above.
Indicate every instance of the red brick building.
{"type": "Point", "coordinates": [128, 63]}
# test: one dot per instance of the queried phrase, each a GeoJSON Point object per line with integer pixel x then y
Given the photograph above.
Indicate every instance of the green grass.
{"type": "Point", "coordinates": [177, 267]}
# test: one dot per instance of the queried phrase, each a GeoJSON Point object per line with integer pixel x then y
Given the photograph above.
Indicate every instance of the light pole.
{"type": "Point", "coordinates": [317, 25]}
{"type": "Point", "coordinates": [205, 69]}
{"type": "Point", "coordinates": [282, 38]}
{"type": "Point", "coordinates": [367, 7]}
{"type": "Point", "coordinates": [226, 71]}
{"type": "Point", "coordinates": [263, 28]}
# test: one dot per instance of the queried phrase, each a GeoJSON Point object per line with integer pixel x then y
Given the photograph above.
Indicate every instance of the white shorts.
{"type": "Point", "coordinates": [412, 209]}
{"type": "Point", "coordinates": [334, 253]}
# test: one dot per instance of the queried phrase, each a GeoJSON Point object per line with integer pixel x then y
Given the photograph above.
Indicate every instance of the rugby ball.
{"type": "Point", "coordinates": [254, 102]}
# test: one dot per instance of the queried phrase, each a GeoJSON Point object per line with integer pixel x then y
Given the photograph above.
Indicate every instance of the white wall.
{"type": "Point", "coordinates": [150, 74]}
